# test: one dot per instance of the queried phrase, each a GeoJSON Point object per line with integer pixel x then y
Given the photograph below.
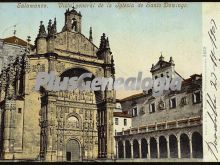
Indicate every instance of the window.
{"type": "Point", "coordinates": [19, 110]}
{"type": "Point", "coordinates": [183, 101]}
{"type": "Point", "coordinates": [125, 122]}
{"type": "Point", "coordinates": [196, 97]}
{"type": "Point", "coordinates": [173, 102]}
{"type": "Point", "coordinates": [168, 76]}
{"type": "Point", "coordinates": [116, 121]}
{"type": "Point", "coordinates": [134, 111]}
{"type": "Point", "coordinates": [152, 108]}
{"type": "Point", "coordinates": [142, 111]}
{"type": "Point", "coordinates": [161, 105]}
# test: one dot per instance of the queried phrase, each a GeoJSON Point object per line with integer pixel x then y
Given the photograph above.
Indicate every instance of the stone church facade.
{"type": "Point", "coordinates": [168, 126]}
{"type": "Point", "coordinates": [57, 126]}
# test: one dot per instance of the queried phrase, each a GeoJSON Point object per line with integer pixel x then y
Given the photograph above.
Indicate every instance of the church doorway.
{"type": "Point", "coordinates": [72, 150]}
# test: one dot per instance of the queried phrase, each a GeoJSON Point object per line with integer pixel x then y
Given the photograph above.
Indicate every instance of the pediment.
{"type": "Point", "coordinates": [75, 42]}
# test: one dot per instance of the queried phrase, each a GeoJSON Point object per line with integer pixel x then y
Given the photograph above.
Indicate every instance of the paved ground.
{"type": "Point", "coordinates": [122, 160]}
{"type": "Point", "coordinates": [153, 160]}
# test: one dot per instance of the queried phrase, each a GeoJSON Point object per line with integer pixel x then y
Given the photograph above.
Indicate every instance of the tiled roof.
{"type": "Point", "coordinates": [122, 114]}
{"type": "Point", "coordinates": [15, 40]}
{"type": "Point", "coordinates": [134, 96]}
{"type": "Point", "coordinates": [187, 85]}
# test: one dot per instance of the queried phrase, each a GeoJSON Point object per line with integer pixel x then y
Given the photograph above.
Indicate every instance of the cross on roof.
{"type": "Point", "coordinates": [14, 30]}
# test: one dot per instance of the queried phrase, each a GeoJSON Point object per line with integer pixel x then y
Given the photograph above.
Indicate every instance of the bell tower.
{"type": "Point", "coordinates": [72, 21]}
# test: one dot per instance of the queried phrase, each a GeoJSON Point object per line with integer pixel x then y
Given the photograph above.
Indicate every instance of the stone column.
{"type": "Point", "coordinates": [168, 147]}
{"type": "Point", "coordinates": [178, 146]}
{"type": "Point", "coordinates": [99, 146]}
{"type": "Point", "coordinates": [124, 149]}
{"type": "Point", "coordinates": [140, 153]}
{"type": "Point", "coordinates": [148, 148]}
{"type": "Point", "coordinates": [116, 145]}
{"type": "Point", "coordinates": [49, 127]}
{"type": "Point", "coordinates": [132, 156]}
{"type": "Point", "coordinates": [6, 135]}
{"type": "Point", "coordinates": [158, 148]}
{"type": "Point", "coordinates": [103, 147]}
{"type": "Point", "coordinates": [51, 152]}
{"type": "Point", "coordinates": [109, 130]}
{"type": "Point", "coordinates": [190, 146]}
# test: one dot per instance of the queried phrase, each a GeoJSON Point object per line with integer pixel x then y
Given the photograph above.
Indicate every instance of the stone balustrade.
{"type": "Point", "coordinates": [162, 126]}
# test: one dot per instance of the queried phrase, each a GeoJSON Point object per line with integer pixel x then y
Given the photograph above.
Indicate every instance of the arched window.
{"type": "Point", "coordinates": [144, 147]}
{"type": "Point", "coordinates": [136, 149]}
{"type": "Point", "coordinates": [173, 146]}
{"type": "Point", "coordinates": [120, 150]}
{"type": "Point", "coordinates": [153, 148]}
{"type": "Point", "coordinates": [74, 24]}
{"type": "Point", "coordinates": [163, 147]}
{"type": "Point", "coordinates": [197, 146]}
{"type": "Point", "coordinates": [184, 146]}
{"type": "Point", "coordinates": [127, 149]}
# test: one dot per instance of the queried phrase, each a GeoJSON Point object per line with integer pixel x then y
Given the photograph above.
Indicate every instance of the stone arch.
{"type": "Point", "coordinates": [144, 148]}
{"type": "Point", "coordinates": [197, 145]}
{"type": "Point", "coordinates": [184, 146]}
{"type": "Point", "coordinates": [173, 146]}
{"type": "Point", "coordinates": [127, 149]}
{"type": "Point", "coordinates": [71, 68]}
{"type": "Point", "coordinates": [120, 149]}
{"type": "Point", "coordinates": [77, 72]}
{"type": "Point", "coordinates": [74, 24]}
{"type": "Point", "coordinates": [163, 147]}
{"type": "Point", "coordinates": [74, 120]}
{"type": "Point", "coordinates": [136, 149]}
{"type": "Point", "coordinates": [73, 150]}
{"type": "Point", "coordinates": [153, 148]}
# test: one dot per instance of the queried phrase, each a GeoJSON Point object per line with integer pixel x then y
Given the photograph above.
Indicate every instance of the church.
{"type": "Point", "coordinates": [57, 126]}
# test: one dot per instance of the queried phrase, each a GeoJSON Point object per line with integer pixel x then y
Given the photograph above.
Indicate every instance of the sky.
{"type": "Point", "coordinates": [137, 36]}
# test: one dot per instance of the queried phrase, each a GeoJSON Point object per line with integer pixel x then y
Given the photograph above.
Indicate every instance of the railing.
{"type": "Point", "coordinates": [162, 126]}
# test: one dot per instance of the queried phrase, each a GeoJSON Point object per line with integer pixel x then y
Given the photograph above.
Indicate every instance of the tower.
{"type": "Point", "coordinates": [52, 30]}
{"type": "Point", "coordinates": [41, 42]}
{"type": "Point", "coordinates": [163, 68]}
{"type": "Point", "coordinates": [72, 21]}
{"type": "Point", "coordinates": [105, 129]}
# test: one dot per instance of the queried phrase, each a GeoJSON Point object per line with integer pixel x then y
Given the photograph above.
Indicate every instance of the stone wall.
{"type": "Point", "coordinates": [168, 114]}
{"type": "Point", "coordinates": [7, 50]}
